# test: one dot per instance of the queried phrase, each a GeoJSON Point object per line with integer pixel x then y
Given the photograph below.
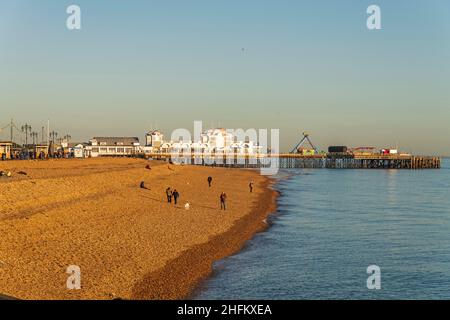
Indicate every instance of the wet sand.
{"type": "Point", "coordinates": [129, 242]}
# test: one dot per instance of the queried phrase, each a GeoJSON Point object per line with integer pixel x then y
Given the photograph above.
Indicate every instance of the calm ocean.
{"type": "Point", "coordinates": [332, 224]}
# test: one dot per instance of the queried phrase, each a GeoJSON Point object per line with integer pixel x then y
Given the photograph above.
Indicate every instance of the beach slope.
{"type": "Point", "coordinates": [128, 242]}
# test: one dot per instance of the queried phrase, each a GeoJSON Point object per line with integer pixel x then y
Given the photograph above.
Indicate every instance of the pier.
{"type": "Point", "coordinates": [298, 161]}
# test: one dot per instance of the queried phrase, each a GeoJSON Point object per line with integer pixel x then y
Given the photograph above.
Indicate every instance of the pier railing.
{"type": "Point", "coordinates": [291, 161]}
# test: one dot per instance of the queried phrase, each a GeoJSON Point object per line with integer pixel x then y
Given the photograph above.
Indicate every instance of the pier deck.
{"type": "Point", "coordinates": [292, 161]}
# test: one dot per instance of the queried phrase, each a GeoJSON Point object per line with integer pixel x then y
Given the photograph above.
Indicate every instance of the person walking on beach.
{"type": "Point", "coordinates": [169, 195]}
{"type": "Point", "coordinates": [223, 201]}
{"type": "Point", "coordinates": [251, 187]}
{"type": "Point", "coordinates": [175, 195]}
{"type": "Point", "coordinates": [209, 181]}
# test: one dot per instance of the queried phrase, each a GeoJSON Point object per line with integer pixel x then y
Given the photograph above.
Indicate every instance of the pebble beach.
{"type": "Point", "coordinates": [128, 242]}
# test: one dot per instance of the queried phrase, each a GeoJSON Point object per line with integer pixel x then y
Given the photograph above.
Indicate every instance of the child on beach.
{"type": "Point", "coordinates": [251, 187]}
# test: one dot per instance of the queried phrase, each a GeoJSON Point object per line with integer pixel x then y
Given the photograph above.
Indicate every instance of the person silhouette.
{"type": "Point", "coordinates": [209, 181]}
{"type": "Point", "coordinates": [223, 201]}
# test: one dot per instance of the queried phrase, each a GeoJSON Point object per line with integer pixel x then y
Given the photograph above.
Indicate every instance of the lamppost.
{"type": "Point", "coordinates": [67, 137]}
{"type": "Point", "coordinates": [42, 135]}
{"type": "Point", "coordinates": [26, 128]}
{"type": "Point", "coordinates": [34, 135]}
{"type": "Point", "coordinates": [53, 135]}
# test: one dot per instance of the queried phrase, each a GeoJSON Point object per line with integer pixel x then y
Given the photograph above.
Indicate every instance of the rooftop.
{"type": "Point", "coordinates": [112, 141]}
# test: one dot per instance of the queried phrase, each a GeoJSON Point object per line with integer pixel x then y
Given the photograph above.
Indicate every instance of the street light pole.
{"type": "Point", "coordinates": [53, 135]}
{"type": "Point", "coordinates": [34, 135]}
{"type": "Point", "coordinates": [11, 126]}
{"type": "Point", "coordinates": [26, 128]}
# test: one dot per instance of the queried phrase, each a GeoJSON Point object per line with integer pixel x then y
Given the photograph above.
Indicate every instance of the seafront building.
{"type": "Point", "coordinates": [111, 146]}
{"type": "Point", "coordinates": [5, 149]}
{"type": "Point", "coordinates": [154, 140]}
{"type": "Point", "coordinates": [212, 141]}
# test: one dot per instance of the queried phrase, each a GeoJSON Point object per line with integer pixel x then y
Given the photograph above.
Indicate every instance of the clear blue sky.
{"type": "Point", "coordinates": [306, 65]}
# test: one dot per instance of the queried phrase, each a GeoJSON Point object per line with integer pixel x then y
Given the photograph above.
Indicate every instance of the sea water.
{"type": "Point", "coordinates": [331, 225]}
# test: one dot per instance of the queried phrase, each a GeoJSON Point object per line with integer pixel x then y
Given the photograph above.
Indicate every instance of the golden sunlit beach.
{"type": "Point", "coordinates": [128, 241]}
{"type": "Point", "coordinates": [223, 159]}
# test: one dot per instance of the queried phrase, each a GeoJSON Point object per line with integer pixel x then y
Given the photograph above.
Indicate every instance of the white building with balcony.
{"type": "Point", "coordinates": [113, 147]}
{"type": "Point", "coordinates": [212, 141]}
